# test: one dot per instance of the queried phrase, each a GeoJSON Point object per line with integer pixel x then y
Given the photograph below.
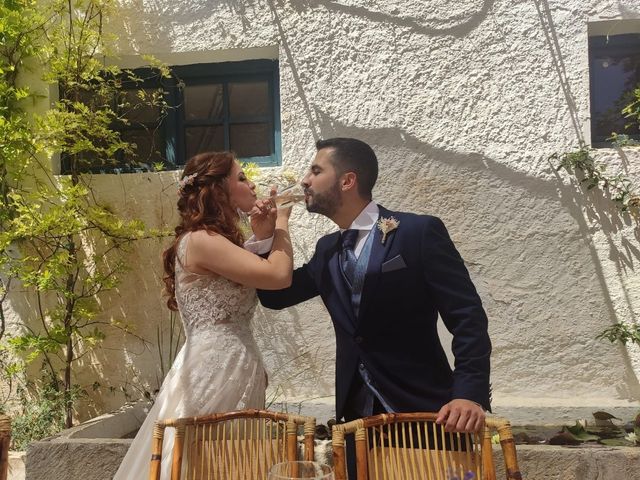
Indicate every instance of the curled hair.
{"type": "Point", "coordinates": [203, 204]}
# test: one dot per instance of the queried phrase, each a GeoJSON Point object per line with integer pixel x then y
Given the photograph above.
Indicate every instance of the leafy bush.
{"type": "Point", "coordinates": [42, 415]}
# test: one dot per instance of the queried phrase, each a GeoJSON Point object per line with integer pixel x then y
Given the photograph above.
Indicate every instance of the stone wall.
{"type": "Point", "coordinates": [463, 102]}
{"type": "Point", "coordinates": [101, 458]}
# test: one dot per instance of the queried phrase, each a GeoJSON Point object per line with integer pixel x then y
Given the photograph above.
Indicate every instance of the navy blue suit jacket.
{"type": "Point", "coordinates": [416, 274]}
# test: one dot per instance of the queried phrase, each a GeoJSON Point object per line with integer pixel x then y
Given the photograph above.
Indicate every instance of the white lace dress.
{"type": "Point", "coordinates": [218, 369]}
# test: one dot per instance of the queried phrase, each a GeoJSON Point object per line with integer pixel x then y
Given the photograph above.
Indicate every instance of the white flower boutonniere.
{"type": "Point", "coordinates": [386, 226]}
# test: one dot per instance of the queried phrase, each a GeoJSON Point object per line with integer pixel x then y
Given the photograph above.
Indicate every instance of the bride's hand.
{"type": "Point", "coordinates": [284, 213]}
{"type": "Point", "coordinates": [263, 217]}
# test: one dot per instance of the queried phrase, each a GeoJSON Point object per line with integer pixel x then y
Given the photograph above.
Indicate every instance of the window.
{"type": "Point", "coordinates": [614, 68]}
{"type": "Point", "coordinates": [231, 106]}
{"type": "Point", "coordinates": [216, 106]}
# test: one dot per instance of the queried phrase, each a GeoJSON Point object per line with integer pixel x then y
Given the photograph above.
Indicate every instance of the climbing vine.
{"type": "Point", "coordinates": [57, 242]}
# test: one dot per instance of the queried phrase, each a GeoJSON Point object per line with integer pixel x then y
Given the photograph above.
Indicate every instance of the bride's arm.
{"type": "Point", "coordinates": [216, 254]}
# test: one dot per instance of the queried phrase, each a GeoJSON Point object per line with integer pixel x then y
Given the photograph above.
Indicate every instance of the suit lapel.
{"type": "Point", "coordinates": [343, 293]}
{"type": "Point", "coordinates": [379, 252]}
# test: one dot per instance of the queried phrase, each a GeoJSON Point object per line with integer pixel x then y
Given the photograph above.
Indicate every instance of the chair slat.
{"type": "Point", "coordinates": [230, 446]}
{"type": "Point", "coordinates": [413, 446]}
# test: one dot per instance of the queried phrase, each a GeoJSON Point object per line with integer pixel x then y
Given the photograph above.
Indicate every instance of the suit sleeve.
{"type": "Point", "coordinates": [461, 310]}
{"type": "Point", "coordinates": [303, 287]}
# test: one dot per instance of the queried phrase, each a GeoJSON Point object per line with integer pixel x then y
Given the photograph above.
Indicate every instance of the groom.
{"type": "Point", "coordinates": [384, 278]}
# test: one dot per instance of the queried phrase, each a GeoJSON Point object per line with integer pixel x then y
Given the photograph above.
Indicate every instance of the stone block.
{"type": "Point", "coordinates": [70, 459]}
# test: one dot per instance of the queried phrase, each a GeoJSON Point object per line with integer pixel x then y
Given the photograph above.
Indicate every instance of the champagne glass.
{"type": "Point", "coordinates": [300, 470]}
{"type": "Point", "coordinates": [289, 196]}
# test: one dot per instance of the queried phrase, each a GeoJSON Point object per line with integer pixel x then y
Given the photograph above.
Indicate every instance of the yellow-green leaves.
{"type": "Point", "coordinates": [65, 248]}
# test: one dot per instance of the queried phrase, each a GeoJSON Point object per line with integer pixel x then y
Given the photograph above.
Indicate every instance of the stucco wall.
{"type": "Point", "coordinates": [463, 102]}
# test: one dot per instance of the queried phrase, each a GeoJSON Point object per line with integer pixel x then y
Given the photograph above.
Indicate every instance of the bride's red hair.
{"type": "Point", "coordinates": [203, 204]}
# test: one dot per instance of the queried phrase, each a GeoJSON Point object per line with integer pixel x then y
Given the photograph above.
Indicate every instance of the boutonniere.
{"type": "Point", "coordinates": [386, 226]}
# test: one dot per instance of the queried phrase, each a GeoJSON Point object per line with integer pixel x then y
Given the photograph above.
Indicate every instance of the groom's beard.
{"type": "Point", "coordinates": [326, 203]}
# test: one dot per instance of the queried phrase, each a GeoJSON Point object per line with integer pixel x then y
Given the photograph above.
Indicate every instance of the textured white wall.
{"type": "Point", "coordinates": [463, 101]}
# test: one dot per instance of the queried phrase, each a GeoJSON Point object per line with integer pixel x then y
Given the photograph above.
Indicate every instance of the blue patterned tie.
{"type": "Point", "coordinates": [348, 258]}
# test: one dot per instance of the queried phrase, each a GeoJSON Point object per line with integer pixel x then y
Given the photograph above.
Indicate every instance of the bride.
{"type": "Point", "coordinates": [211, 280]}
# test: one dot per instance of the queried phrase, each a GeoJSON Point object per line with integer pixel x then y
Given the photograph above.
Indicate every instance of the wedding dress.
{"type": "Point", "coordinates": [218, 369]}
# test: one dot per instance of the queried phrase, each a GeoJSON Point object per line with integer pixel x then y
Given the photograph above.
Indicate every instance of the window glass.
{"type": "Point", "coordinates": [250, 139]}
{"type": "Point", "coordinates": [203, 102]}
{"type": "Point", "coordinates": [204, 139]}
{"type": "Point", "coordinates": [248, 99]}
{"type": "Point", "coordinates": [211, 107]}
{"type": "Point", "coordinates": [615, 73]}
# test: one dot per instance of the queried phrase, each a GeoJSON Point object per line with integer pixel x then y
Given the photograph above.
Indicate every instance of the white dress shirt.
{"type": "Point", "coordinates": [364, 223]}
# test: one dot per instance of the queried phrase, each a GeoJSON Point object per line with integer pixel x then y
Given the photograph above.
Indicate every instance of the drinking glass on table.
{"type": "Point", "coordinates": [300, 470]}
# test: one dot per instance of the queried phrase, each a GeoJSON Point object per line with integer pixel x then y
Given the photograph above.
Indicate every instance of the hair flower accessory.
{"type": "Point", "coordinates": [386, 226]}
{"type": "Point", "coordinates": [187, 180]}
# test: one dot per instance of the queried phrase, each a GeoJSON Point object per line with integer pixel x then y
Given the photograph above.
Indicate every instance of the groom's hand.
{"type": "Point", "coordinates": [461, 415]}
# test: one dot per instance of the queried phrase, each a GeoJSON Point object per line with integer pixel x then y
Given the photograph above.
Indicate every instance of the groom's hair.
{"type": "Point", "coordinates": [352, 155]}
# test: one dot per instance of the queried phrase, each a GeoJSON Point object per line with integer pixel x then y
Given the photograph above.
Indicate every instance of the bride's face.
{"type": "Point", "coordinates": [241, 190]}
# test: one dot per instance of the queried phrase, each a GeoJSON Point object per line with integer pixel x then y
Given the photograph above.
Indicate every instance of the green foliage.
{"type": "Point", "coordinates": [632, 111]}
{"type": "Point", "coordinates": [627, 105]}
{"type": "Point", "coordinates": [42, 415]}
{"type": "Point", "coordinates": [622, 140]}
{"type": "Point", "coordinates": [251, 170]}
{"type": "Point", "coordinates": [580, 162]}
{"type": "Point", "coordinates": [579, 432]}
{"type": "Point", "coordinates": [623, 333]}
{"type": "Point", "coordinates": [63, 247]}
{"type": "Point", "coordinates": [602, 431]}
{"type": "Point", "coordinates": [19, 21]}
{"type": "Point", "coordinates": [591, 174]}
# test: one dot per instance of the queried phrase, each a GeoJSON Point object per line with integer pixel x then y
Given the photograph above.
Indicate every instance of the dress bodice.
{"type": "Point", "coordinates": [218, 369]}
{"type": "Point", "coordinates": [208, 302]}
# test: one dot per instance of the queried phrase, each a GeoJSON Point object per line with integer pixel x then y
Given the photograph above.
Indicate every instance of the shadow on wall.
{"type": "Point", "coordinates": [521, 214]}
{"type": "Point", "coordinates": [457, 22]}
{"type": "Point", "coordinates": [151, 34]}
{"type": "Point", "coordinates": [551, 36]}
{"type": "Point", "coordinates": [545, 208]}
{"type": "Point", "coordinates": [294, 71]}
{"type": "Point", "coordinates": [594, 207]}
{"type": "Point", "coordinates": [298, 348]}
{"type": "Point", "coordinates": [151, 24]}
{"type": "Point", "coordinates": [467, 17]}
{"type": "Point", "coordinates": [626, 11]}
{"type": "Point", "coordinates": [456, 19]}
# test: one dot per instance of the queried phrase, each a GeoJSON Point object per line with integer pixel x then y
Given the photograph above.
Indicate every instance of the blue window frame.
{"type": "Point", "coordinates": [215, 106]}
{"type": "Point", "coordinates": [614, 71]}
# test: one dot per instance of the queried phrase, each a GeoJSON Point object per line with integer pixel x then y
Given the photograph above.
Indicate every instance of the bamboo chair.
{"type": "Point", "coordinates": [409, 446]}
{"type": "Point", "coordinates": [5, 439]}
{"type": "Point", "coordinates": [239, 445]}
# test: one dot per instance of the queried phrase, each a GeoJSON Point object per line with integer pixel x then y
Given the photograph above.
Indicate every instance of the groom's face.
{"type": "Point", "coordinates": [322, 185]}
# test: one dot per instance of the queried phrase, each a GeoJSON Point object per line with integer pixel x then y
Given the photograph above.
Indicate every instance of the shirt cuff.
{"type": "Point", "coordinates": [259, 247]}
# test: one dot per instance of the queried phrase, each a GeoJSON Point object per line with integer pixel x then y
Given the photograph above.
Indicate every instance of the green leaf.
{"type": "Point", "coordinates": [615, 442]}
{"type": "Point", "coordinates": [579, 433]}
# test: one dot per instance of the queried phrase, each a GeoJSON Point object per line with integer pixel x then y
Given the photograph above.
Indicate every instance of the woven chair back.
{"type": "Point", "coordinates": [411, 446]}
{"type": "Point", "coordinates": [233, 445]}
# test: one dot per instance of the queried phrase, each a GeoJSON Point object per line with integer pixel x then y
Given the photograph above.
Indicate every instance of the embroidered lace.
{"type": "Point", "coordinates": [218, 369]}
